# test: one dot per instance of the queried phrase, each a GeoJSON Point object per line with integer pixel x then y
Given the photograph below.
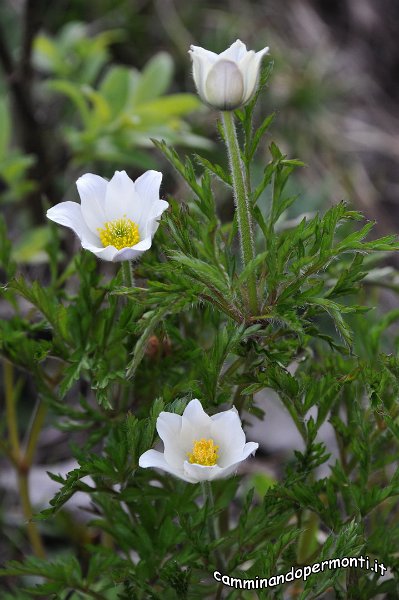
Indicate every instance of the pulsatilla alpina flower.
{"type": "Point", "coordinates": [198, 447]}
{"type": "Point", "coordinates": [227, 80]}
{"type": "Point", "coordinates": [116, 219]}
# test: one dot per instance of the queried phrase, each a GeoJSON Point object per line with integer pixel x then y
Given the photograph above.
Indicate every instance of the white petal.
{"type": "Point", "coordinates": [142, 245]}
{"type": "Point", "coordinates": [200, 472]}
{"type": "Point", "coordinates": [201, 68]}
{"type": "Point", "coordinates": [222, 414]}
{"type": "Point", "coordinates": [149, 227]}
{"type": "Point", "coordinates": [147, 187]}
{"type": "Point", "coordinates": [147, 199]}
{"type": "Point", "coordinates": [92, 190]}
{"type": "Point", "coordinates": [195, 414]}
{"type": "Point", "coordinates": [134, 251]}
{"type": "Point", "coordinates": [227, 432]}
{"type": "Point", "coordinates": [196, 424]}
{"type": "Point", "coordinates": [236, 51]}
{"type": "Point", "coordinates": [107, 253]}
{"type": "Point", "coordinates": [113, 254]}
{"type": "Point", "coordinates": [202, 62]}
{"type": "Point", "coordinates": [121, 198]}
{"type": "Point", "coordinates": [169, 428]}
{"type": "Point", "coordinates": [203, 473]}
{"type": "Point", "coordinates": [259, 55]}
{"type": "Point", "coordinates": [224, 87]}
{"type": "Point", "coordinates": [158, 208]}
{"type": "Point", "coordinates": [155, 459]}
{"type": "Point", "coordinates": [202, 53]}
{"type": "Point", "coordinates": [249, 448]}
{"type": "Point", "coordinates": [127, 253]}
{"type": "Point", "coordinates": [250, 68]}
{"type": "Point", "coordinates": [69, 214]}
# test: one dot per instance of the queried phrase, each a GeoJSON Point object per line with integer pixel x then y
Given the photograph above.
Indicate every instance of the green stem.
{"type": "Point", "coordinates": [127, 273]}
{"type": "Point", "coordinates": [11, 415]}
{"type": "Point", "coordinates": [242, 203]}
{"type": "Point", "coordinates": [34, 431]}
{"type": "Point", "coordinates": [22, 462]}
{"type": "Point", "coordinates": [212, 523]}
{"type": "Point", "coordinates": [307, 542]}
{"type": "Point", "coordinates": [33, 533]}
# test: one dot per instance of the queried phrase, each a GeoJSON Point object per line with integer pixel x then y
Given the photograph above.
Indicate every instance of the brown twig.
{"type": "Point", "coordinates": [30, 133]}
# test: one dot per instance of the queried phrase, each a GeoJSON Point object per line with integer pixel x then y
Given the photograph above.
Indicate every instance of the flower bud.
{"type": "Point", "coordinates": [228, 80]}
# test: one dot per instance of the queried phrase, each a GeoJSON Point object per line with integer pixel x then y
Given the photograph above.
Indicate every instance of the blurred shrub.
{"type": "Point", "coordinates": [13, 163]}
{"type": "Point", "coordinates": [124, 109]}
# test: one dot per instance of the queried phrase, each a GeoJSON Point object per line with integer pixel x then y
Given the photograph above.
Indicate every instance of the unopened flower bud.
{"type": "Point", "coordinates": [228, 80]}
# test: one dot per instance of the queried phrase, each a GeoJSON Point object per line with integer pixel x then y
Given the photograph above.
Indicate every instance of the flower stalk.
{"type": "Point", "coordinates": [213, 530]}
{"type": "Point", "coordinates": [127, 273]}
{"type": "Point", "coordinates": [242, 203]}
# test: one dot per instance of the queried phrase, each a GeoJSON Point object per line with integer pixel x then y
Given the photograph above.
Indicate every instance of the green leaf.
{"type": "Point", "coordinates": [100, 109]}
{"type": "Point", "coordinates": [215, 169]}
{"type": "Point", "coordinates": [155, 79]}
{"type": "Point", "coordinates": [117, 87]}
{"type": "Point", "coordinates": [174, 105]}
{"type": "Point", "coordinates": [335, 310]}
{"type": "Point", "coordinates": [75, 93]}
{"type": "Point", "coordinates": [47, 54]}
{"type": "Point", "coordinates": [260, 132]}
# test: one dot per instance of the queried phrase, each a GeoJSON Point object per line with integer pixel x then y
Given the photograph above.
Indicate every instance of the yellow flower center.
{"type": "Point", "coordinates": [121, 233]}
{"type": "Point", "coordinates": [204, 453]}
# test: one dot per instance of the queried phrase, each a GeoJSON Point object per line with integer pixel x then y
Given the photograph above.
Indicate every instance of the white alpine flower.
{"type": "Point", "coordinates": [198, 447]}
{"type": "Point", "coordinates": [228, 80]}
{"type": "Point", "coordinates": [116, 219]}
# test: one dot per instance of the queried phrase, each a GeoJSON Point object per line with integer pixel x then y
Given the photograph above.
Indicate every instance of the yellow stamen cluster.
{"type": "Point", "coordinates": [121, 233]}
{"type": "Point", "coordinates": [204, 453]}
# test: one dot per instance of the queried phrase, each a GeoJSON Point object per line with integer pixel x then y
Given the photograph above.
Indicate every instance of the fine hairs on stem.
{"type": "Point", "coordinates": [242, 203]}
{"type": "Point", "coordinates": [213, 530]}
{"type": "Point", "coordinates": [127, 273]}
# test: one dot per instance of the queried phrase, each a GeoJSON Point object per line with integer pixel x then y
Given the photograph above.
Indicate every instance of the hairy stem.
{"type": "Point", "coordinates": [127, 273]}
{"type": "Point", "coordinates": [242, 203]}
{"type": "Point", "coordinates": [212, 523]}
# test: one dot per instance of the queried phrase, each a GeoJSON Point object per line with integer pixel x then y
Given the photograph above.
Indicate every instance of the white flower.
{"type": "Point", "coordinates": [198, 447]}
{"type": "Point", "coordinates": [227, 80]}
{"type": "Point", "coordinates": [116, 219]}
